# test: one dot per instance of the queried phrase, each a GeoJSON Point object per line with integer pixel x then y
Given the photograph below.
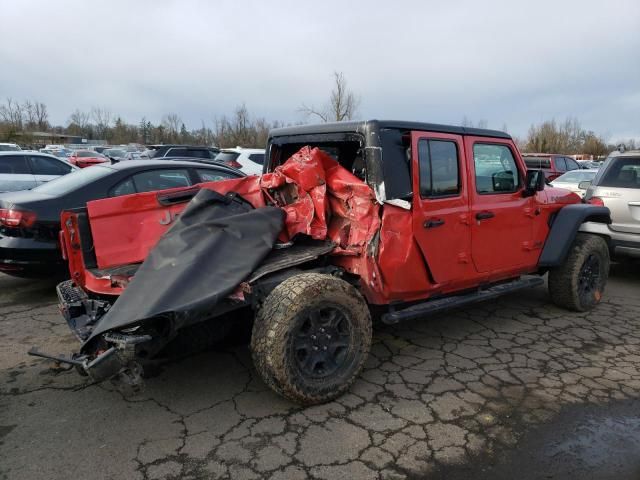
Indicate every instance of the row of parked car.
{"type": "Point", "coordinates": [35, 187]}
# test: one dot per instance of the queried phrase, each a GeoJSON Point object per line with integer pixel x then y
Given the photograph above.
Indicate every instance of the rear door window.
{"type": "Point", "coordinates": [15, 164]}
{"type": "Point", "coordinates": [561, 165]}
{"type": "Point", "coordinates": [439, 169]}
{"type": "Point", "coordinates": [152, 180]}
{"type": "Point", "coordinates": [49, 166]}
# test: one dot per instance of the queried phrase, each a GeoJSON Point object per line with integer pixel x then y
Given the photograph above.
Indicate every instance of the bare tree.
{"type": "Point", "coordinates": [171, 123]}
{"type": "Point", "coordinates": [102, 119]}
{"type": "Point", "coordinates": [12, 114]}
{"type": "Point", "coordinates": [80, 119]}
{"type": "Point", "coordinates": [343, 103]}
{"type": "Point", "coordinates": [41, 115]}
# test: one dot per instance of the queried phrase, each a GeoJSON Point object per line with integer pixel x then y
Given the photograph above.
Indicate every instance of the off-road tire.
{"type": "Point", "coordinates": [277, 326]}
{"type": "Point", "coordinates": [565, 280]}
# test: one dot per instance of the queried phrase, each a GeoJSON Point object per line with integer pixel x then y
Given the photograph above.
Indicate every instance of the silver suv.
{"type": "Point", "coordinates": [617, 186]}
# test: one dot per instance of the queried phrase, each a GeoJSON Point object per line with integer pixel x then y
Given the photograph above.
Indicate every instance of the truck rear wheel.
{"type": "Point", "coordinates": [311, 338]}
{"type": "Point", "coordinates": [579, 282]}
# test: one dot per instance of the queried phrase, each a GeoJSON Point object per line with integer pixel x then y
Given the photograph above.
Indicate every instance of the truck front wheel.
{"type": "Point", "coordinates": [578, 284]}
{"type": "Point", "coordinates": [311, 338]}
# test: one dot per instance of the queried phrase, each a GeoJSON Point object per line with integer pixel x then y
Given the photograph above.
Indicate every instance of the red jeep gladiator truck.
{"type": "Point", "coordinates": [350, 221]}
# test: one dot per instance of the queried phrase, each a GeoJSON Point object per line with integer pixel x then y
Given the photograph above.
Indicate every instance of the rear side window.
{"type": "Point", "coordinates": [198, 153]}
{"type": "Point", "coordinates": [495, 168]}
{"type": "Point", "coordinates": [176, 152]}
{"type": "Point", "coordinates": [257, 158]}
{"type": "Point", "coordinates": [439, 171]}
{"type": "Point", "coordinates": [622, 173]}
{"type": "Point", "coordinates": [207, 175]}
{"type": "Point", "coordinates": [17, 164]}
{"type": "Point", "coordinates": [125, 187]}
{"type": "Point", "coordinates": [537, 162]}
{"type": "Point", "coordinates": [161, 180]}
{"type": "Point", "coordinates": [49, 166]}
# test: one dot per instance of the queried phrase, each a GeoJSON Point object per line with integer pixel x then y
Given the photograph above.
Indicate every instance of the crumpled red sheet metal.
{"type": "Point", "coordinates": [323, 200]}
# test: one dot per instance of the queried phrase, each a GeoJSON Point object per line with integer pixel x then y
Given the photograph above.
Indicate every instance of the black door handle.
{"type": "Point", "coordinates": [484, 215]}
{"type": "Point", "coordinates": [436, 222]}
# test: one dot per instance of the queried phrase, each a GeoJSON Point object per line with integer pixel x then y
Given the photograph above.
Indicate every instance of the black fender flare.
{"type": "Point", "coordinates": [564, 228]}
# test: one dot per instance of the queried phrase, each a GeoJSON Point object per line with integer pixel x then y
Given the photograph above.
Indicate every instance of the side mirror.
{"type": "Point", "coordinates": [584, 184]}
{"type": "Point", "coordinates": [535, 182]}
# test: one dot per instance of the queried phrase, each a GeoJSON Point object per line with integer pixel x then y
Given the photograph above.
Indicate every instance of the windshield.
{"type": "Point", "coordinates": [9, 148]}
{"type": "Point", "coordinates": [73, 181]}
{"type": "Point", "coordinates": [576, 176]}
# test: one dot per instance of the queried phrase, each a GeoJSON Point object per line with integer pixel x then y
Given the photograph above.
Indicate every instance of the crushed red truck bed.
{"type": "Point", "coordinates": [321, 199]}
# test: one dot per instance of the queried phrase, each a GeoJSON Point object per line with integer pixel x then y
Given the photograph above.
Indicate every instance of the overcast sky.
{"type": "Point", "coordinates": [511, 63]}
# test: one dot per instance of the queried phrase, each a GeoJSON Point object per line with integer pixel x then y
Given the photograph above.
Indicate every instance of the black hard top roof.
{"type": "Point", "coordinates": [361, 126]}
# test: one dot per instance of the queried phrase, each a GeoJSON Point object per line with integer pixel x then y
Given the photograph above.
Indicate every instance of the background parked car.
{"type": "Point", "coordinates": [132, 156]}
{"type": "Point", "coordinates": [617, 186]}
{"type": "Point", "coordinates": [25, 170]}
{"type": "Point", "coordinates": [249, 160]}
{"type": "Point", "coordinates": [589, 164]}
{"type": "Point", "coordinates": [115, 154]}
{"type": "Point", "coordinates": [86, 158]}
{"type": "Point", "coordinates": [30, 220]}
{"type": "Point", "coordinates": [159, 151]}
{"type": "Point", "coordinates": [9, 147]}
{"type": "Point", "coordinates": [572, 180]}
{"type": "Point", "coordinates": [553, 165]}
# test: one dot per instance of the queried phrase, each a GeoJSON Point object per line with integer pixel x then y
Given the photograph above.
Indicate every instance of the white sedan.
{"type": "Point", "coordinates": [571, 180]}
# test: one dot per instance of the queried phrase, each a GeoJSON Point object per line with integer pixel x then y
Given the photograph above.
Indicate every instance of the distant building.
{"type": "Point", "coordinates": [46, 138]}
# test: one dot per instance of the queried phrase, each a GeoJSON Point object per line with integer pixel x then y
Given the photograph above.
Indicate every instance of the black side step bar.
{"type": "Point", "coordinates": [433, 306]}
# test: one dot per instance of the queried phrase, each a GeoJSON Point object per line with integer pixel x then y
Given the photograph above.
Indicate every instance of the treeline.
{"type": "Point", "coordinates": [18, 120]}
{"type": "Point", "coordinates": [568, 137]}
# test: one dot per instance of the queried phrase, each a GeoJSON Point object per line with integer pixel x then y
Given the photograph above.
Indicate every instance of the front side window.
{"type": "Point", "coordinates": [49, 166]}
{"type": "Point", "coordinates": [161, 180]}
{"type": "Point", "coordinates": [495, 168]}
{"type": "Point", "coordinates": [439, 171]}
{"type": "Point", "coordinates": [561, 165]}
{"type": "Point", "coordinates": [571, 164]}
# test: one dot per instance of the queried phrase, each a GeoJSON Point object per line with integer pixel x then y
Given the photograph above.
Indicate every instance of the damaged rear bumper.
{"type": "Point", "coordinates": [79, 311]}
{"type": "Point", "coordinates": [115, 355]}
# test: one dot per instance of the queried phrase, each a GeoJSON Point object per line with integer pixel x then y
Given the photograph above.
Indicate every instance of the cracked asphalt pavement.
{"type": "Point", "coordinates": [513, 388]}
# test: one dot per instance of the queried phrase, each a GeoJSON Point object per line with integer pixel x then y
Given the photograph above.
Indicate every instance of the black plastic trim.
{"type": "Point", "coordinates": [564, 229]}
